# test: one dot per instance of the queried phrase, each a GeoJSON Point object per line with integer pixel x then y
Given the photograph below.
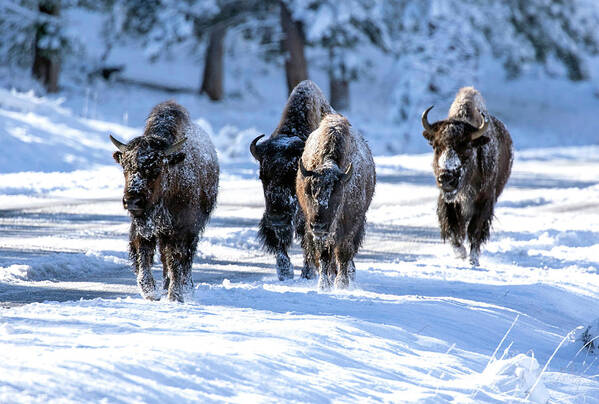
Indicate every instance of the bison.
{"type": "Point", "coordinates": [472, 163]}
{"type": "Point", "coordinates": [334, 186]}
{"type": "Point", "coordinates": [278, 156]}
{"type": "Point", "coordinates": [171, 182]}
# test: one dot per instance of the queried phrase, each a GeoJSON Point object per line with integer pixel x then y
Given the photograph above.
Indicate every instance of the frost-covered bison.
{"type": "Point", "coordinates": [278, 156]}
{"type": "Point", "coordinates": [171, 182]}
{"type": "Point", "coordinates": [335, 184]}
{"type": "Point", "coordinates": [472, 163]}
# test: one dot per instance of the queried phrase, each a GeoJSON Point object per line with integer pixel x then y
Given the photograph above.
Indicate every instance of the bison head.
{"type": "Point", "coordinates": [454, 143]}
{"type": "Point", "coordinates": [144, 159]}
{"type": "Point", "coordinates": [278, 167]}
{"type": "Point", "coordinates": [323, 192]}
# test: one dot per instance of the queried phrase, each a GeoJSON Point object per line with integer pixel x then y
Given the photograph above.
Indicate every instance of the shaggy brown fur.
{"type": "Point", "coordinates": [171, 182]}
{"type": "Point", "coordinates": [472, 164]}
{"type": "Point", "coordinates": [334, 186]}
{"type": "Point", "coordinates": [278, 156]}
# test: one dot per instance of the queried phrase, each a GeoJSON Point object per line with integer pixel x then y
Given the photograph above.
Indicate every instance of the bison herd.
{"type": "Point", "coordinates": [318, 178]}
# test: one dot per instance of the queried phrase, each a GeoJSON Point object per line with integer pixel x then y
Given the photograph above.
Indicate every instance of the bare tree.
{"type": "Point", "coordinates": [296, 68]}
{"type": "Point", "coordinates": [339, 79]}
{"type": "Point", "coordinates": [46, 61]}
{"type": "Point", "coordinates": [212, 81]}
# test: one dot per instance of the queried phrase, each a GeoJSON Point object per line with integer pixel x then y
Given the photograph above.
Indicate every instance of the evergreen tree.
{"type": "Point", "coordinates": [438, 44]}
{"type": "Point", "coordinates": [33, 35]}
{"type": "Point", "coordinates": [341, 28]}
{"type": "Point", "coordinates": [160, 24]}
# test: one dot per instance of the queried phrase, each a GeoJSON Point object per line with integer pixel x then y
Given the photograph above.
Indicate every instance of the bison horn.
{"type": "Point", "coordinates": [254, 148]}
{"type": "Point", "coordinates": [425, 123]}
{"type": "Point", "coordinates": [122, 147]}
{"type": "Point", "coordinates": [481, 130]}
{"type": "Point", "coordinates": [348, 173]}
{"type": "Point", "coordinates": [305, 173]}
{"type": "Point", "coordinates": [175, 147]}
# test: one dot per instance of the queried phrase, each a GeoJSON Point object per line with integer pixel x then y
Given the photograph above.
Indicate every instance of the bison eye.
{"type": "Point", "coordinates": [462, 146]}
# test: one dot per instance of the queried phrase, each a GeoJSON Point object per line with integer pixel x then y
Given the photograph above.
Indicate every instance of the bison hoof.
{"type": "Point", "coordinates": [153, 297]}
{"type": "Point", "coordinates": [147, 287]}
{"type": "Point", "coordinates": [188, 285]}
{"type": "Point", "coordinates": [341, 282]}
{"type": "Point", "coordinates": [351, 271]}
{"type": "Point", "coordinates": [284, 267]}
{"type": "Point", "coordinates": [150, 295]}
{"type": "Point", "coordinates": [308, 272]}
{"type": "Point", "coordinates": [175, 296]}
{"type": "Point", "coordinates": [324, 283]}
{"type": "Point", "coordinates": [474, 258]}
{"type": "Point", "coordinates": [459, 251]}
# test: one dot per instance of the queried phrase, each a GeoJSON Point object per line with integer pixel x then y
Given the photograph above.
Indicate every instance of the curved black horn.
{"type": "Point", "coordinates": [175, 147]}
{"type": "Point", "coordinates": [425, 124]}
{"type": "Point", "coordinates": [122, 147]}
{"type": "Point", "coordinates": [305, 173]}
{"type": "Point", "coordinates": [254, 149]}
{"type": "Point", "coordinates": [481, 129]}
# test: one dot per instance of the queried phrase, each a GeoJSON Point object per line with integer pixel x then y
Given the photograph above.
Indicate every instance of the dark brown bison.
{"type": "Point", "coordinates": [335, 184]}
{"type": "Point", "coordinates": [278, 156]}
{"type": "Point", "coordinates": [171, 182]}
{"type": "Point", "coordinates": [472, 162]}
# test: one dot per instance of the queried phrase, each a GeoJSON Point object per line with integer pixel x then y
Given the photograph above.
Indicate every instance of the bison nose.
{"type": "Point", "coordinates": [448, 180]}
{"type": "Point", "coordinates": [132, 204]}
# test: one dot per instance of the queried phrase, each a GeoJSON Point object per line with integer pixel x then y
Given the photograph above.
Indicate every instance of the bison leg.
{"type": "Point", "coordinates": [177, 258]}
{"type": "Point", "coordinates": [342, 279]}
{"type": "Point", "coordinates": [351, 271]}
{"type": "Point", "coordinates": [479, 228]}
{"type": "Point", "coordinates": [141, 252]}
{"type": "Point", "coordinates": [309, 269]}
{"type": "Point", "coordinates": [165, 278]}
{"type": "Point", "coordinates": [357, 242]}
{"type": "Point", "coordinates": [284, 266]}
{"type": "Point", "coordinates": [277, 240]}
{"type": "Point", "coordinates": [343, 256]}
{"type": "Point", "coordinates": [452, 226]}
{"type": "Point", "coordinates": [324, 269]}
{"type": "Point", "coordinates": [189, 250]}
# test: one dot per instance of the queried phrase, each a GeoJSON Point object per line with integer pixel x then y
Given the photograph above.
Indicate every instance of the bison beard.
{"type": "Point", "coordinates": [278, 156]}
{"type": "Point", "coordinates": [171, 183]}
{"type": "Point", "coordinates": [473, 160]}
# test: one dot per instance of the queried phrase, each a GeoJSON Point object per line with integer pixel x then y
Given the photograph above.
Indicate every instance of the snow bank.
{"type": "Point", "coordinates": [44, 136]}
{"type": "Point", "coordinates": [61, 266]}
{"type": "Point", "coordinates": [37, 134]}
{"type": "Point", "coordinates": [230, 142]}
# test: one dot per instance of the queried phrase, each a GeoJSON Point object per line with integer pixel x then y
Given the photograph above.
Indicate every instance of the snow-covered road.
{"type": "Point", "coordinates": [417, 326]}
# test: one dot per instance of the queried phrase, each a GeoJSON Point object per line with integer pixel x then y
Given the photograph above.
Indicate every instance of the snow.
{"type": "Point", "coordinates": [516, 377]}
{"type": "Point", "coordinates": [417, 326]}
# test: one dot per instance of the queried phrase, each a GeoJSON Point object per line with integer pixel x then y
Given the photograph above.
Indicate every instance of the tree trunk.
{"type": "Point", "coordinates": [296, 68]}
{"type": "Point", "coordinates": [212, 81]}
{"type": "Point", "coordinates": [339, 93]}
{"type": "Point", "coordinates": [338, 82]}
{"type": "Point", "coordinates": [46, 62]}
